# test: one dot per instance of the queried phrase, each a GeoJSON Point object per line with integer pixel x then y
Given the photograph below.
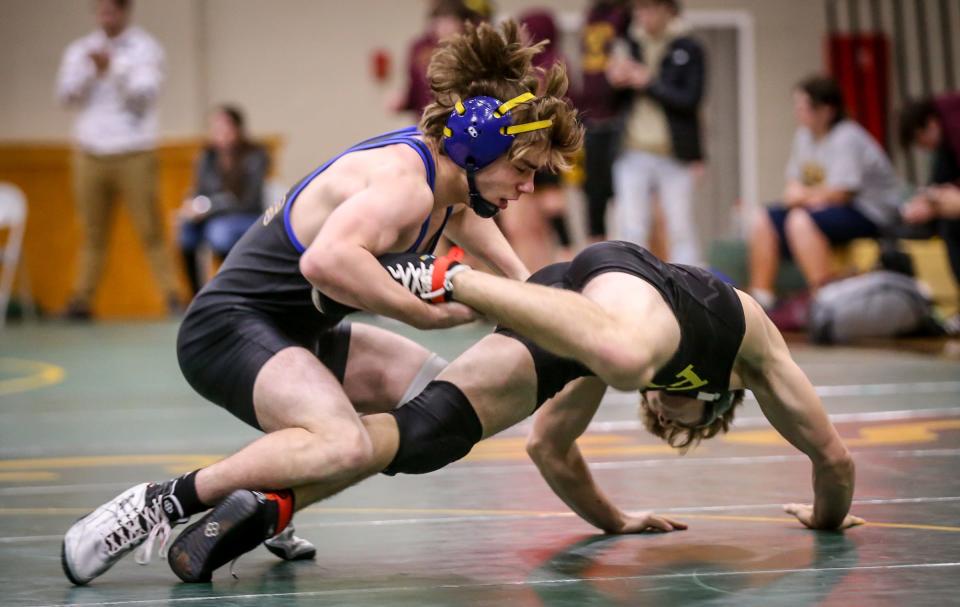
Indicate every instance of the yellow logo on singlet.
{"type": "Point", "coordinates": [274, 210]}
{"type": "Point", "coordinates": [687, 380]}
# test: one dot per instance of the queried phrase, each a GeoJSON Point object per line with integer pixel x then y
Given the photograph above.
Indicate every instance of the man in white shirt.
{"type": "Point", "coordinates": [112, 78]}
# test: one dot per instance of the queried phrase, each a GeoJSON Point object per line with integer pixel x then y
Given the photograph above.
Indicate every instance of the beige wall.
{"type": "Point", "coordinates": [300, 67]}
{"type": "Point", "coordinates": [33, 36]}
{"type": "Point", "coordinates": [789, 41]}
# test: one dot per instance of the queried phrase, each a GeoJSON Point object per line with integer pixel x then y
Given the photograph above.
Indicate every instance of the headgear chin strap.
{"type": "Point", "coordinates": [480, 205]}
{"type": "Point", "coordinates": [480, 130]}
{"type": "Point", "coordinates": [717, 408]}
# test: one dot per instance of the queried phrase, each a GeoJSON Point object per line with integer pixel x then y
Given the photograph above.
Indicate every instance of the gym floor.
{"type": "Point", "coordinates": [88, 410]}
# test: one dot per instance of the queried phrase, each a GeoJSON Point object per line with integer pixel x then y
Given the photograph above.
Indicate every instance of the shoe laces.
{"type": "Point", "coordinates": [132, 524]}
{"type": "Point", "coordinates": [161, 531]}
{"type": "Point", "coordinates": [415, 276]}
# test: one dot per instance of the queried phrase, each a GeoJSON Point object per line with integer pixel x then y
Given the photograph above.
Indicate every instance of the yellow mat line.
{"type": "Point", "coordinates": [36, 374]}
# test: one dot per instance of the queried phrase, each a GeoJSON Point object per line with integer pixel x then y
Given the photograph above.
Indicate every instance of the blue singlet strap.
{"type": "Point", "coordinates": [404, 136]}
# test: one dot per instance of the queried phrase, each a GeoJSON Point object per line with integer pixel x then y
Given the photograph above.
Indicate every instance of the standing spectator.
{"type": "Point", "coordinates": [228, 195]}
{"type": "Point", "coordinates": [666, 71]}
{"type": "Point", "coordinates": [840, 186]}
{"type": "Point", "coordinates": [112, 78]}
{"type": "Point", "coordinates": [601, 107]}
{"type": "Point", "coordinates": [934, 124]}
{"type": "Point", "coordinates": [536, 225]}
{"type": "Point", "coordinates": [446, 18]}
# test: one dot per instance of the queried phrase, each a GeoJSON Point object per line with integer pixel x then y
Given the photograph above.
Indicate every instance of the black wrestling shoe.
{"type": "Point", "coordinates": [236, 526]}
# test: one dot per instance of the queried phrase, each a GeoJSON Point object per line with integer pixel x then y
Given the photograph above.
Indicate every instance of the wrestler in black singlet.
{"type": "Point", "coordinates": [259, 303]}
{"type": "Point", "coordinates": [708, 310]}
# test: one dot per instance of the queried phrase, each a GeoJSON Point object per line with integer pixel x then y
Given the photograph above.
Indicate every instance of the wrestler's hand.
{"type": "Point", "coordinates": [919, 209]}
{"type": "Point", "coordinates": [804, 514]}
{"type": "Point", "coordinates": [648, 521]}
{"type": "Point", "coordinates": [426, 276]}
{"type": "Point", "coordinates": [448, 314]}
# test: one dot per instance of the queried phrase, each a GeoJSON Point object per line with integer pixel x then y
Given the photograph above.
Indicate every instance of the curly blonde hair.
{"type": "Point", "coordinates": [498, 63]}
{"type": "Point", "coordinates": [684, 438]}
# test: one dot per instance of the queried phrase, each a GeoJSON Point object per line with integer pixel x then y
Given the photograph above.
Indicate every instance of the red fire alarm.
{"type": "Point", "coordinates": [380, 64]}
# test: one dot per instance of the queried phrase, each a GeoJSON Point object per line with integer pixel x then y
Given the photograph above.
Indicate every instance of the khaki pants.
{"type": "Point", "coordinates": [98, 180]}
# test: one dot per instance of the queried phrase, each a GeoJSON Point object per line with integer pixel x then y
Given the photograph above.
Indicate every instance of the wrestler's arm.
{"type": "Point", "coordinates": [483, 239]}
{"type": "Point", "coordinates": [367, 224]}
{"type": "Point", "coordinates": [790, 402]}
{"type": "Point", "coordinates": [553, 448]}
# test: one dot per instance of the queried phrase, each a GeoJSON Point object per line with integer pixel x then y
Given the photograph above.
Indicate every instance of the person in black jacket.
{"type": "Point", "coordinates": [933, 124]}
{"type": "Point", "coordinates": [664, 67]}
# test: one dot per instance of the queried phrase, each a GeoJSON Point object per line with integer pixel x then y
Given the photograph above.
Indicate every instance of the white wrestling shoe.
{"type": "Point", "coordinates": [290, 547]}
{"type": "Point", "coordinates": [100, 539]}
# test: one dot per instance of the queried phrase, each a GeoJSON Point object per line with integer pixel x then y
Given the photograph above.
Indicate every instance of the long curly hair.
{"type": "Point", "coordinates": [684, 438]}
{"type": "Point", "coordinates": [498, 62]}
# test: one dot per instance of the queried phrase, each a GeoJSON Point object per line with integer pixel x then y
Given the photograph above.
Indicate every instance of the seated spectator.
{"type": "Point", "coordinates": [840, 187]}
{"type": "Point", "coordinates": [934, 124]}
{"type": "Point", "coordinates": [228, 195]}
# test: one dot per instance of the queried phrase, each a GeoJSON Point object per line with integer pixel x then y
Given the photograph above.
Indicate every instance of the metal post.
{"type": "Point", "coordinates": [876, 25]}
{"type": "Point", "coordinates": [923, 47]}
{"type": "Point", "coordinates": [831, 9]}
{"type": "Point", "coordinates": [944, 18]}
{"type": "Point", "coordinates": [853, 17]}
{"type": "Point", "coordinates": [903, 84]}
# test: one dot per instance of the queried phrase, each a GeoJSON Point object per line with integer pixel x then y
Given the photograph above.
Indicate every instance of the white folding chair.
{"type": "Point", "coordinates": [273, 191]}
{"type": "Point", "coordinates": [13, 218]}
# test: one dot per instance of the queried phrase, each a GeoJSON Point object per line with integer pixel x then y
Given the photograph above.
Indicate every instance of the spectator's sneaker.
{"type": "Point", "coordinates": [77, 310]}
{"type": "Point", "coordinates": [952, 325]}
{"type": "Point", "coordinates": [234, 527]}
{"type": "Point", "coordinates": [792, 313]}
{"type": "Point", "coordinates": [290, 547]}
{"type": "Point", "coordinates": [174, 306]}
{"type": "Point", "coordinates": [100, 539]}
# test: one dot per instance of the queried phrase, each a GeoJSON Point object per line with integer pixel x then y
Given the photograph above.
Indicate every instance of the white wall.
{"type": "Point", "coordinates": [300, 67]}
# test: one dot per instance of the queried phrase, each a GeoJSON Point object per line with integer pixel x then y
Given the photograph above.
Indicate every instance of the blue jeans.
{"type": "Point", "coordinates": [839, 224]}
{"type": "Point", "coordinates": [220, 232]}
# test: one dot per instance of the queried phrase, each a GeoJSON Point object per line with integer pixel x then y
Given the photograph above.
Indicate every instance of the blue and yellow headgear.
{"type": "Point", "coordinates": [480, 130]}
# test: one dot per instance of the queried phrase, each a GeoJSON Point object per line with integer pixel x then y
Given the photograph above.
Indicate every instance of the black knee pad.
{"type": "Point", "coordinates": [437, 427]}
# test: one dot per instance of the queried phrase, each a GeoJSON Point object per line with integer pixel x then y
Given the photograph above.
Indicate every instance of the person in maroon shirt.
{"type": "Point", "coordinates": [446, 18]}
{"type": "Point", "coordinates": [601, 106]}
